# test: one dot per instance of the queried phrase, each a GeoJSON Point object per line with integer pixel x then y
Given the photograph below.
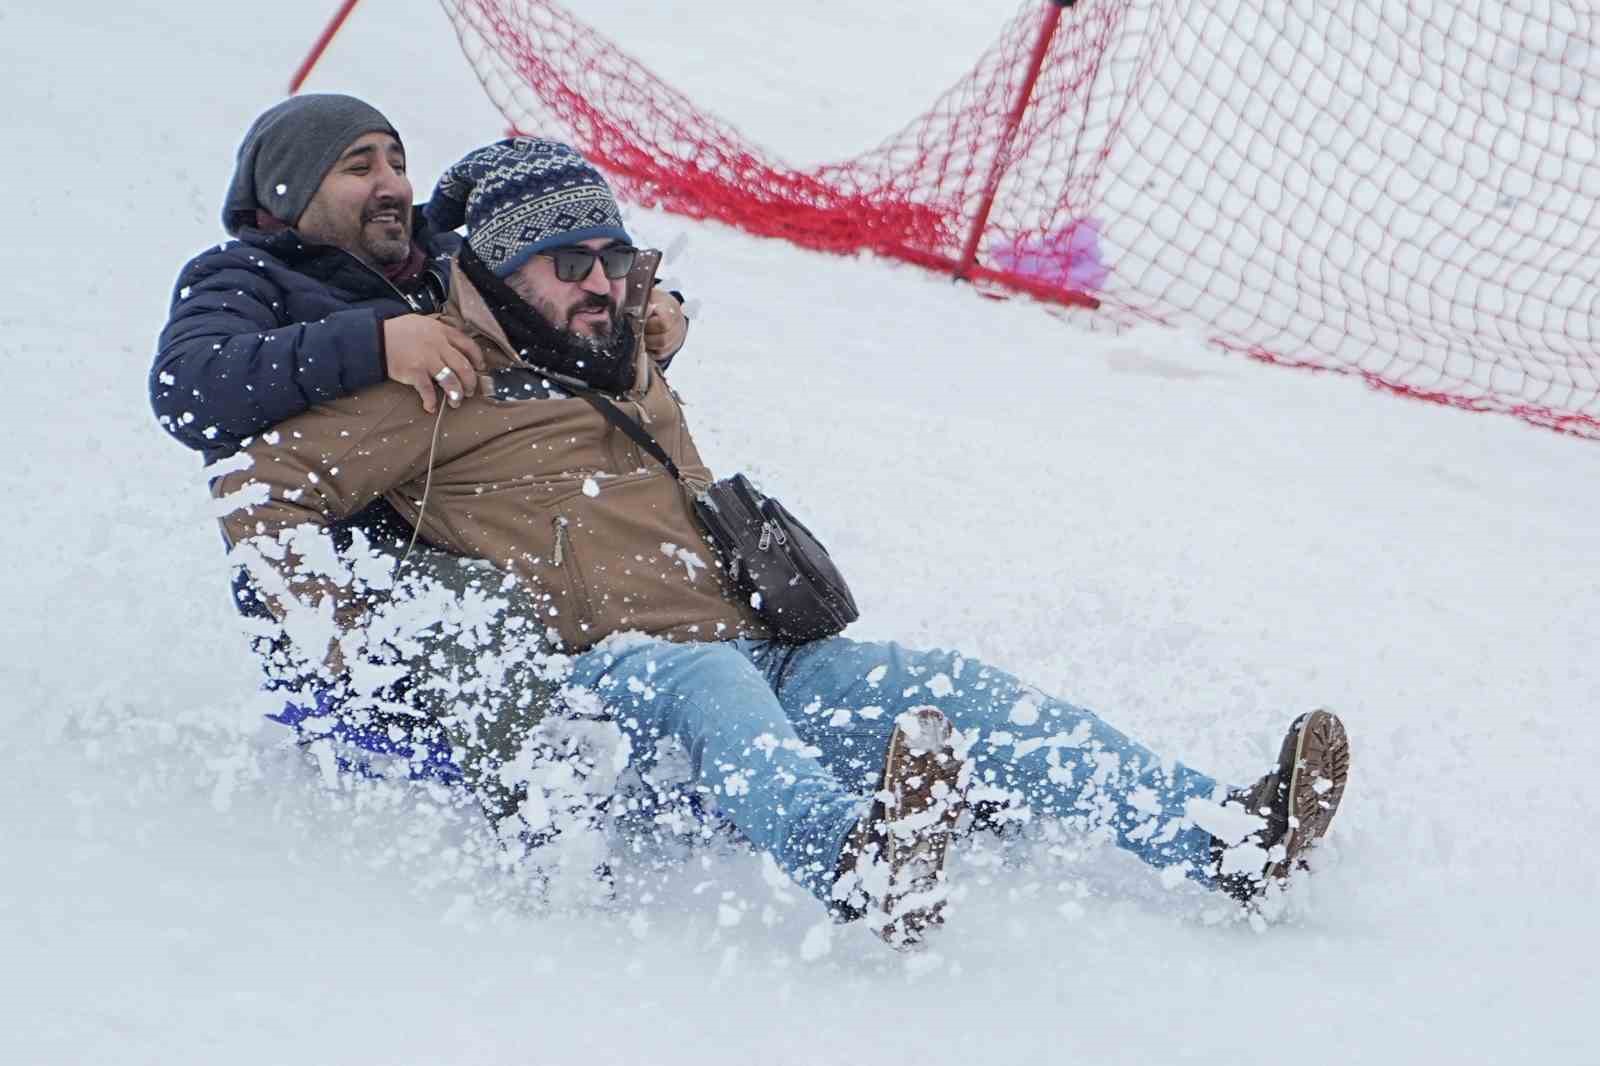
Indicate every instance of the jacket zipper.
{"type": "Point", "coordinates": [565, 559]}
{"type": "Point", "coordinates": [407, 300]}
{"type": "Point", "coordinates": [561, 539]}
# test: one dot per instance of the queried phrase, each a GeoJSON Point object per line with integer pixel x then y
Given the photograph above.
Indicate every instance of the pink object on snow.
{"type": "Point", "coordinates": [1068, 257]}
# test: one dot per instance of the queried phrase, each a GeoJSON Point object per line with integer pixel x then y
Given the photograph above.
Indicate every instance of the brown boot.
{"type": "Point", "coordinates": [1297, 800]}
{"type": "Point", "coordinates": [892, 867]}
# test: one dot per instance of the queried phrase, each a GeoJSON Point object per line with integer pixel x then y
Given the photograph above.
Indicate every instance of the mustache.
{"type": "Point", "coordinates": [595, 302]}
{"type": "Point", "coordinates": [387, 203]}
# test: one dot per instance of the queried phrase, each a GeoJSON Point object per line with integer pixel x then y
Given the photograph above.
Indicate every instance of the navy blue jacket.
{"type": "Point", "coordinates": [267, 326]}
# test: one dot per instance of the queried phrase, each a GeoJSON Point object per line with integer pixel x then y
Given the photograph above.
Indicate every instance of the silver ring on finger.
{"type": "Point", "coordinates": [441, 375]}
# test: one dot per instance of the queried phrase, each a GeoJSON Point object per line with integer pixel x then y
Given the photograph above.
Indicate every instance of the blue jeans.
{"type": "Point", "coordinates": [790, 741]}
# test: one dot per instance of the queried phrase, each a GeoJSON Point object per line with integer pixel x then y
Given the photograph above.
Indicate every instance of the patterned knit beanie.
{"type": "Point", "coordinates": [523, 195]}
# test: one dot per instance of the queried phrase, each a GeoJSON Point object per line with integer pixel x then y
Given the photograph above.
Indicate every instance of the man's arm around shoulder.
{"type": "Point", "coordinates": [229, 364]}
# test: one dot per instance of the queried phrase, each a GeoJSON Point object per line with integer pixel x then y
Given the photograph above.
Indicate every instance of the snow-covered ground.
{"type": "Point", "coordinates": [1195, 545]}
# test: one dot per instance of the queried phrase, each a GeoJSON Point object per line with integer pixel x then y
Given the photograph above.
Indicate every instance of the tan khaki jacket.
{"type": "Point", "coordinates": [544, 488]}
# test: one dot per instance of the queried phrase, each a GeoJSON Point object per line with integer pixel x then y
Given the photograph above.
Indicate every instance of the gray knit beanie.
{"type": "Point", "coordinates": [289, 150]}
{"type": "Point", "coordinates": [522, 195]}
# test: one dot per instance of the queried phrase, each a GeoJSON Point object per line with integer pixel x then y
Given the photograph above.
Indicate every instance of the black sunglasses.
{"type": "Point", "coordinates": [574, 263]}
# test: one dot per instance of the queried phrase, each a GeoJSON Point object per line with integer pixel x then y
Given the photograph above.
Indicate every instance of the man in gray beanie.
{"type": "Point", "coordinates": [323, 291]}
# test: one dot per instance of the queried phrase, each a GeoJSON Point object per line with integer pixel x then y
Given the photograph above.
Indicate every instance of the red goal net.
{"type": "Point", "coordinates": [1403, 190]}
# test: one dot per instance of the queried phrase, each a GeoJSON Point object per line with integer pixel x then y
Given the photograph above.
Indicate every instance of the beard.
{"type": "Point", "coordinates": [539, 331]}
{"type": "Point", "coordinates": [389, 252]}
{"type": "Point", "coordinates": [598, 339]}
{"type": "Point", "coordinates": [386, 244]}
{"type": "Point", "coordinates": [582, 347]}
{"type": "Point", "coordinates": [379, 243]}
{"type": "Point", "coordinates": [596, 357]}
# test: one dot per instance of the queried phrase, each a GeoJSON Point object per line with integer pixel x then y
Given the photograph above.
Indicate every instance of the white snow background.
{"type": "Point", "coordinates": [1196, 546]}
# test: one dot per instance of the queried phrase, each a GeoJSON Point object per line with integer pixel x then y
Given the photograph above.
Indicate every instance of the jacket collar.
{"type": "Point", "coordinates": [466, 306]}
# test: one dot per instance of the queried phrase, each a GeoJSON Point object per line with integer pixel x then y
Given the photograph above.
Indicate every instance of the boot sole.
{"type": "Point", "coordinates": [918, 818]}
{"type": "Point", "coordinates": [1316, 786]}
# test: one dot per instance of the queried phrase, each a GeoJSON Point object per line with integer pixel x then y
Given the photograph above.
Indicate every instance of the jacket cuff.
{"type": "Point", "coordinates": [365, 361]}
{"type": "Point", "coordinates": [383, 349]}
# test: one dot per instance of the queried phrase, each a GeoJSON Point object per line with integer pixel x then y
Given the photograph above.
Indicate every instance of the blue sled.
{"type": "Point", "coordinates": [368, 750]}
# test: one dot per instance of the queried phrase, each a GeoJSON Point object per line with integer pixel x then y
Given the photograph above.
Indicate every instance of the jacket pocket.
{"type": "Point", "coordinates": [565, 558]}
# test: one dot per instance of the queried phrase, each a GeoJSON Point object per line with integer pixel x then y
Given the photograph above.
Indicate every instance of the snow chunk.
{"type": "Point", "coordinates": [230, 465]}
{"type": "Point", "coordinates": [1144, 800]}
{"type": "Point", "coordinates": [1229, 823]}
{"type": "Point", "coordinates": [1025, 711]}
{"type": "Point", "coordinates": [692, 563]}
{"type": "Point", "coordinates": [252, 495]}
{"type": "Point", "coordinates": [1243, 859]}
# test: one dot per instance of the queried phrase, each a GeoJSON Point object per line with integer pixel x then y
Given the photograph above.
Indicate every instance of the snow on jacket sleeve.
{"type": "Point", "coordinates": [228, 368]}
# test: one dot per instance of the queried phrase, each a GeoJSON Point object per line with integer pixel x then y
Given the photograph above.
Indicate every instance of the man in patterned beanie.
{"type": "Point", "coordinates": [544, 233]}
